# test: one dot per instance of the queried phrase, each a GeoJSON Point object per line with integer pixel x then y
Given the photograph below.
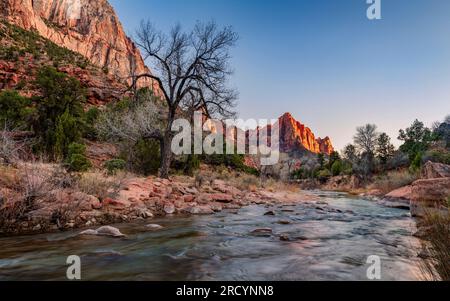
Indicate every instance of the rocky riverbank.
{"type": "Point", "coordinates": [135, 198]}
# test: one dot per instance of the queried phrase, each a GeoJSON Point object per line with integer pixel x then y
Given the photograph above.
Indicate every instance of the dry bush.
{"type": "Point", "coordinates": [100, 185]}
{"type": "Point", "coordinates": [394, 180]}
{"type": "Point", "coordinates": [204, 177]}
{"type": "Point", "coordinates": [436, 264]}
{"type": "Point", "coordinates": [24, 186]}
{"type": "Point", "coordinates": [8, 177]}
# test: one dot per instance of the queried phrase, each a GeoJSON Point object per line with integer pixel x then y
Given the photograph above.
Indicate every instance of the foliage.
{"type": "Point", "coordinates": [384, 148]}
{"type": "Point", "coordinates": [90, 118]}
{"type": "Point", "coordinates": [416, 163]}
{"type": "Point", "coordinates": [337, 168]}
{"type": "Point", "coordinates": [416, 138]}
{"type": "Point", "coordinates": [112, 166]}
{"type": "Point", "coordinates": [14, 109]}
{"type": "Point", "coordinates": [59, 111]}
{"type": "Point", "coordinates": [66, 133]}
{"type": "Point", "coordinates": [76, 158]}
{"type": "Point", "coordinates": [144, 157]}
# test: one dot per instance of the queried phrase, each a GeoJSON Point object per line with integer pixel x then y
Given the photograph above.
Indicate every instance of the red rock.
{"type": "Point", "coordinates": [115, 203]}
{"type": "Point", "coordinates": [188, 198]}
{"type": "Point", "coordinates": [435, 170]}
{"type": "Point", "coordinates": [296, 136]}
{"type": "Point", "coordinates": [221, 197]}
{"type": "Point", "coordinates": [93, 31]}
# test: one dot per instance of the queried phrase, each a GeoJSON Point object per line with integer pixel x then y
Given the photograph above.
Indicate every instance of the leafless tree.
{"type": "Point", "coordinates": [192, 70]}
{"type": "Point", "coordinates": [366, 138]}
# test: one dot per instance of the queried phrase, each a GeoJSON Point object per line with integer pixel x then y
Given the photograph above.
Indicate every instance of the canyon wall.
{"type": "Point", "coordinates": [88, 27]}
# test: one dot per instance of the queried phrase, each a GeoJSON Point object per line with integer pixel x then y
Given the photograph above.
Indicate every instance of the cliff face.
{"type": "Point", "coordinates": [88, 27]}
{"type": "Point", "coordinates": [293, 135]}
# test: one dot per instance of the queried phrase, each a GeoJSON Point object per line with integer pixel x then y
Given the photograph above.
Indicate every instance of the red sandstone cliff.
{"type": "Point", "coordinates": [293, 135]}
{"type": "Point", "coordinates": [88, 27]}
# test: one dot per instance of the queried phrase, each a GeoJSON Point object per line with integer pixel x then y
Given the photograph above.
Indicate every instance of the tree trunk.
{"type": "Point", "coordinates": [166, 149]}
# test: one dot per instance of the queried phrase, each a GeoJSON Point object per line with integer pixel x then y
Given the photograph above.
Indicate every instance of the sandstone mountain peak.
{"type": "Point", "coordinates": [295, 135]}
{"type": "Point", "coordinates": [90, 28]}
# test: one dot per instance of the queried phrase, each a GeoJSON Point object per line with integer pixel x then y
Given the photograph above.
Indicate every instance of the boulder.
{"type": "Point", "coordinates": [401, 194]}
{"type": "Point", "coordinates": [433, 170]}
{"type": "Point", "coordinates": [431, 190]}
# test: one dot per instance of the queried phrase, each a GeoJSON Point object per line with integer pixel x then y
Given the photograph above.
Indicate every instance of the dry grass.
{"type": "Point", "coordinates": [100, 185]}
{"type": "Point", "coordinates": [274, 185]}
{"type": "Point", "coordinates": [436, 265]}
{"type": "Point", "coordinates": [393, 180]}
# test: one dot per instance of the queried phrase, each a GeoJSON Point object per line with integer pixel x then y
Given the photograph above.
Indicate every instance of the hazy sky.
{"type": "Point", "coordinates": [324, 61]}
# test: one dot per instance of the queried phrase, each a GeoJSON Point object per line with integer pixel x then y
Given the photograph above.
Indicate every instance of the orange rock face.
{"type": "Point", "coordinates": [293, 135]}
{"type": "Point", "coordinates": [90, 28]}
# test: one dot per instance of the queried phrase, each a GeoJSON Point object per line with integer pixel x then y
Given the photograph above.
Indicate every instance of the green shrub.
{"type": "Point", "coordinates": [90, 117]}
{"type": "Point", "coordinates": [76, 158]}
{"type": "Point", "coordinates": [416, 164]}
{"type": "Point", "coordinates": [58, 119]}
{"type": "Point", "coordinates": [144, 157]}
{"type": "Point", "coordinates": [336, 168]}
{"type": "Point", "coordinates": [14, 109]}
{"type": "Point", "coordinates": [112, 166]}
{"type": "Point", "coordinates": [324, 174]}
{"type": "Point", "coordinates": [78, 163]}
{"type": "Point", "coordinates": [65, 134]}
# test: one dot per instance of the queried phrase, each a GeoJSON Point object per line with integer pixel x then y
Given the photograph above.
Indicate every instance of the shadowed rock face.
{"type": "Point", "coordinates": [293, 135]}
{"type": "Point", "coordinates": [88, 27]}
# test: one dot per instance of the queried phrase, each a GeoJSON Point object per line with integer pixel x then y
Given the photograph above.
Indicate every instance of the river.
{"type": "Point", "coordinates": [330, 239]}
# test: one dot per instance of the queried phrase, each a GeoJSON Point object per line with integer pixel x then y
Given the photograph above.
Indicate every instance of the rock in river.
{"type": "Point", "coordinates": [104, 231]}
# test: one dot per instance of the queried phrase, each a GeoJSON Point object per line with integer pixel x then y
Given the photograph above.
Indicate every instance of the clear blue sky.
{"type": "Point", "coordinates": [324, 61]}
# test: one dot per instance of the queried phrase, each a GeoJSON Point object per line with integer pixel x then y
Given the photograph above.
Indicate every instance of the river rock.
{"type": "Point", "coordinates": [284, 222]}
{"type": "Point", "coordinates": [154, 227]}
{"type": "Point", "coordinates": [169, 208]}
{"type": "Point", "coordinates": [270, 213]}
{"type": "Point", "coordinates": [262, 232]}
{"type": "Point", "coordinates": [104, 231]}
{"type": "Point", "coordinates": [199, 210]}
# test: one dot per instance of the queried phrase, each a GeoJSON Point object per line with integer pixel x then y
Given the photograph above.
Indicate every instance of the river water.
{"type": "Point", "coordinates": [326, 240]}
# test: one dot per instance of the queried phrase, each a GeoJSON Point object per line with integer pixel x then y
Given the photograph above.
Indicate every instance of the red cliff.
{"type": "Point", "coordinates": [90, 28]}
{"type": "Point", "coordinates": [294, 135]}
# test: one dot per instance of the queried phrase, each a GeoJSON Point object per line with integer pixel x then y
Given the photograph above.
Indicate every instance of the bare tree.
{"type": "Point", "coordinates": [366, 138]}
{"type": "Point", "coordinates": [192, 72]}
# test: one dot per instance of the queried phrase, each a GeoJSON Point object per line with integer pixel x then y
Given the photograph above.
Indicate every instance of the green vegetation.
{"type": "Point", "coordinates": [25, 41]}
{"type": "Point", "coordinates": [59, 115]}
{"type": "Point", "coordinates": [416, 138]}
{"type": "Point", "coordinates": [76, 158]}
{"type": "Point", "coordinates": [144, 157]}
{"type": "Point", "coordinates": [115, 165]}
{"type": "Point", "coordinates": [15, 110]}
{"type": "Point", "coordinates": [373, 154]}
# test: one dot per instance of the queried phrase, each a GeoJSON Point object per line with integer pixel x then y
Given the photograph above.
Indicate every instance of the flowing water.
{"type": "Point", "coordinates": [326, 240]}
